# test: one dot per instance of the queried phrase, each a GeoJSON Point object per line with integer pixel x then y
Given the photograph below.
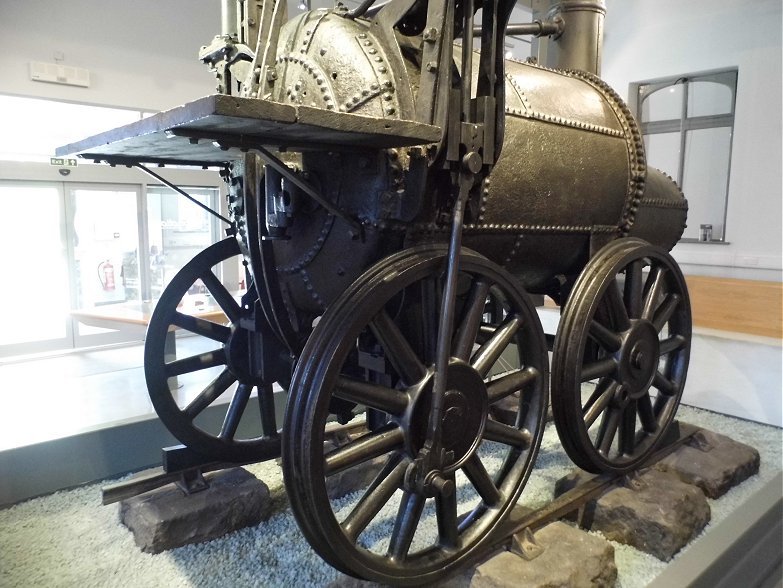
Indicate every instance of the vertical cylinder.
{"type": "Point", "coordinates": [581, 42]}
{"type": "Point", "coordinates": [228, 18]}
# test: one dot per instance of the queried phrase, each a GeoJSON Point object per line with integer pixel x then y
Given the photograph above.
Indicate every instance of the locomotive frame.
{"type": "Point", "coordinates": [383, 289]}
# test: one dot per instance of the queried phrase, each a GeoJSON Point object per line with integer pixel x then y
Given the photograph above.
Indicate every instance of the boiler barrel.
{"type": "Point", "coordinates": [572, 171]}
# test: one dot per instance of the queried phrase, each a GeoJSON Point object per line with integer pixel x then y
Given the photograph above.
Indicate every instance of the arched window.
{"type": "Point", "coordinates": [688, 122]}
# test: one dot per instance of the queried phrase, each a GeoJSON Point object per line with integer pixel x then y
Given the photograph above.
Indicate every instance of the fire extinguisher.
{"type": "Point", "coordinates": [106, 275]}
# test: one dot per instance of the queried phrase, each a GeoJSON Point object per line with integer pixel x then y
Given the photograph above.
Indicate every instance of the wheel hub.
{"type": "Point", "coordinates": [638, 358]}
{"type": "Point", "coordinates": [464, 417]}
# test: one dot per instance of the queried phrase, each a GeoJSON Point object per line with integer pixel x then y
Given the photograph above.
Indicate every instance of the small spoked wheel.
{"type": "Point", "coordinates": [370, 360]}
{"type": "Point", "coordinates": [204, 396]}
{"type": "Point", "coordinates": [621, 356]}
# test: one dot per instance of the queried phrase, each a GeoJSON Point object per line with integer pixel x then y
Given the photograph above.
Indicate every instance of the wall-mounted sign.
{"type": "Point", "coordinates": [63, 162]}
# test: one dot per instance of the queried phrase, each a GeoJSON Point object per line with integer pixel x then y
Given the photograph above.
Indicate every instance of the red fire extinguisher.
{"type": "Point", "coordinates": [106, 275]}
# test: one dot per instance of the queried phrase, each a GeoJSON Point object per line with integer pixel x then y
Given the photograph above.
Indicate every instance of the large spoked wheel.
{"type": "Point", "coordinates": [371, 357]}
{"type": "Point", "coordinates": [621, 356]}
{"type": "Point", "coordinates": [220, 366]}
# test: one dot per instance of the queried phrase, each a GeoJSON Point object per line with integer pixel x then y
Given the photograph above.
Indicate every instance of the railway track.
{"type": "Point", "coordinates": [189, 476]}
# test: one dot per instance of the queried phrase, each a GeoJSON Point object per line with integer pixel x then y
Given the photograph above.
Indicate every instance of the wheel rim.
{"type": "Point", "coordinates": [248, 430]}
{"type": "Point", "coordinates": [380, 532]}
{"type": "Point", "coordinates": [621, 356]}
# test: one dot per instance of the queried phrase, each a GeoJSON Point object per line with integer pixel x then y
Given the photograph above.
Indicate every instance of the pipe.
{"type": "Point", "coordinates": [537, 28]}
{"type": "Point", "coordinates": [228, 18]}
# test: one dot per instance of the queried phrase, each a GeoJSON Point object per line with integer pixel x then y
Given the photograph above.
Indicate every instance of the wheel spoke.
{"type": "Point", "coordinates": [375, 498]}
{"type": "Point", "coordinates": [202, 327]}
{"type": "Point", "coordinates": [672, 344]}
{"type": "Point", "coordinates": [471, 320]}
{"type": "Point", "coordinates": [617, 307]}
{"type": "Point", "coordinates": [429, 319]}
{"type": "Point", "coordinates": [507, 384]}
{"type": "Point", "coordinates": [372, 395]}
{"type": "Point", "coordinates": [599, 400]}
{"type": "Point", "coordinates": [446, 513]}
{"type": "Point", "coordinates": [507, 435]}
{"type": "Point", "coordinates": [656, 280]}
{"type": "Point", "coordinates": [665, 311]}
{"type": "Point", "coordinates": [211, 393]}
{"type": "Point", "coordinates": [266, 404]}
{"type": "Point", "coordinates": [235, 411]}
{"type": "Point", "coordinates": [598, 369]}
{"type": "Point", "coordinates": [408, 517]}
{"type": "Point", "coordinates": [608, 429]}
{"type": "Point", "coordinates": [662, 402]}
{"type": "Point", "coordinates": [195, 363]}
{"type": "Point", "coordinates": [607, 338]}
{"type": "Point", "coordinates": [481, 480]}
{"type": "Point", "coordinates": [399, 351]}
{"type": "Point", "coordinates": [364, 449]}
{"type": "Point", "coordinates": [627, 436]}
{"type": "Point", "coordinates": [632, 294]}
{"type": "Point", "coordinates": [646, 416]}
{"type": "Point", "coordinates": [222, 296]}
{"type": "Point", "coordinates": [663, 384]}
{"type": "Point", "coordinates": [489, 353]}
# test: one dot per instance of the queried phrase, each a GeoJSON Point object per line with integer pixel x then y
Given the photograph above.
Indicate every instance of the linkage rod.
{"type": "Point", "coordinates": [179, 190]}
{"type": "Point", "coordinates": [282, 168]}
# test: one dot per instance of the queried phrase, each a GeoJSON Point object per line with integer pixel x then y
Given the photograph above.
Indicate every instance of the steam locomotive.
{"type": "Point", "coordinates": [399, 192]}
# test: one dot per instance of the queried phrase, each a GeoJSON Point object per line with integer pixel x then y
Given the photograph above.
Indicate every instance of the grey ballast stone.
{"type": "Point", "coordinates": [167, 518]}
{"type": "Point", "coordinates": [713, 462]}
{"type": "Point", "coordinates": [571, 558]}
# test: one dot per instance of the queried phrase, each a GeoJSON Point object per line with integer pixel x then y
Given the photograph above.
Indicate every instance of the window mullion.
{"type": "Point", "coordinates": [683, 117]}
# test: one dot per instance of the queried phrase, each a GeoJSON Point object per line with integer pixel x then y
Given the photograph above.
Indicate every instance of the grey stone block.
{"type": "Point", "coordinates": [713, 462]}
{"type": "Point", "coordinates": [660, 516]}
{"type": "Point", "coordinates": [571, 557]}
{"type": "Point", "coordinates": [167, 518]}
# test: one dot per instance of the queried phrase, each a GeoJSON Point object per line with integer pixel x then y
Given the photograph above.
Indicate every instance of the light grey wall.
{"type": "Point", "coordinates": [141, 53]}
{"type": "Point", "coordinates": [647, 39]}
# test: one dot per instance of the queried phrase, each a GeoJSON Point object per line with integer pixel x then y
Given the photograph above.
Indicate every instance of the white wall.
{"type": "Point", "coordinates": [141, 53]}
{"type": "Point", "coordinates": [647, 39]}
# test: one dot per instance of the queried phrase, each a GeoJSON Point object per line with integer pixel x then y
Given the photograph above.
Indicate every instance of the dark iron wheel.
{"type": "Point", "coordinates": [373, 352]}
{"type": "Point", "coordinates": [621, 356]}
{"type": "Point", "coordinates": [248, 431]}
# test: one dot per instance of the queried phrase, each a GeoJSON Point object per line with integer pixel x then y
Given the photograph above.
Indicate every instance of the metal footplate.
{"type": "Point", "coordinates": [192, 134]}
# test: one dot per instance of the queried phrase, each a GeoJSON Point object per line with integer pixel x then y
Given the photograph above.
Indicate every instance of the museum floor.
{"type": "Point", "coordinates": [49, 398]}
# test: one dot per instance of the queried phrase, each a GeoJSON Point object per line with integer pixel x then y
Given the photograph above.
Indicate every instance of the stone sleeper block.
{"type": "Point", "coordinates": [713, 462]}
{"type": "Point", "coordinates": [571, 558]}
{"type": "Point", "coordinates": [167, 518]}
{"type": "Point", "coordinates": [659, 518]}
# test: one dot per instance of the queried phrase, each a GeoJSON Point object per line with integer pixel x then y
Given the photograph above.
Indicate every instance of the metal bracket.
{"type": "Point", "coordinates": [700, 443]}
{"type": "Point", "coordinates": [632, 480]}
{"type": "Point", "coordinates": [192, 481]}
{"type": "Point", "coordinates": [524, 544]}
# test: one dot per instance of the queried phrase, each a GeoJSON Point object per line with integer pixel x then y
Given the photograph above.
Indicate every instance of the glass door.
{"type": "Point", "coordinates": [105, 242]}
{"type": "Point", "coordinates": [34, 287]}
{"type": "Point", "coordinates": [178, 231]}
